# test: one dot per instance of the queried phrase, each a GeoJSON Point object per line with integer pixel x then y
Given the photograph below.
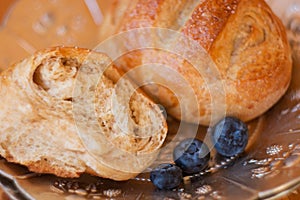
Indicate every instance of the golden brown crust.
{"type": "Point", "coordinates": [255, 60]}
{"type": "Point", "coordinates": [143, 14]}
{"type": "Point", "coordinates": [152, 13]}
{"type": "Point", "coordinates": [208, 20]}
{"type": "Point", "coordinates": [246, 41]}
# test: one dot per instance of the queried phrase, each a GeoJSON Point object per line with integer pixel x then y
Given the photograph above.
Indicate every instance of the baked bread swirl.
{"type": "Point", "coordinates": [245, 40]}
{"type": "Point", "coordinates": [61, 115]}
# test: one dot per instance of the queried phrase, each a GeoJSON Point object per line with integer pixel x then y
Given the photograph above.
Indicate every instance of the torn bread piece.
{"type": "Point", "coordinates": [67, 111]}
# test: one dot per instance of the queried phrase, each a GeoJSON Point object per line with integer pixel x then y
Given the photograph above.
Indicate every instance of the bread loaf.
{"type": "Point", "coordinates": [67, 111]}
{"type": "Point", "coordinates": [244, 39]}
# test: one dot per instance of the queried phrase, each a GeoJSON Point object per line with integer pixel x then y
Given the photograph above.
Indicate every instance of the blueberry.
{"type": "Point", "coordinates": [166, 176]}
{"type": "Point", "coordinates": [230, 136]}
{"type": "Point", "coordinates": [191, 155]}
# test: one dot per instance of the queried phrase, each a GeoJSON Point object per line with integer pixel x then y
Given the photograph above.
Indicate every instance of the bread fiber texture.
{"type": "Point", "coordinates": [58, 116]}
{"type": "Point", "coordinates": [245, 40]}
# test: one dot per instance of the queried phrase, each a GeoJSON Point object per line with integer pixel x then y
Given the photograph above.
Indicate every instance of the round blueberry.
{"type": "Point", "coordinates": [230, 136]}
{"type": "Point", "coordinates": [166, 176]}
{"type": "Point", "coordinates": [191, 155]}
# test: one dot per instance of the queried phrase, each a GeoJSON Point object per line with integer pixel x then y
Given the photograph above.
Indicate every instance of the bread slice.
{"type": "Point", "coordinates": [67, 111]}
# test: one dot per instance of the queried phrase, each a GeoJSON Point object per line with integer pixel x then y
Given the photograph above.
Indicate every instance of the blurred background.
{"type": "Point", "coordinates": [29, 25]}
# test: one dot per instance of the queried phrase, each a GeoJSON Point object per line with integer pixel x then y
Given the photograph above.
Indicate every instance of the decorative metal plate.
{"type": "Point", "coordinates": [269, 167]}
